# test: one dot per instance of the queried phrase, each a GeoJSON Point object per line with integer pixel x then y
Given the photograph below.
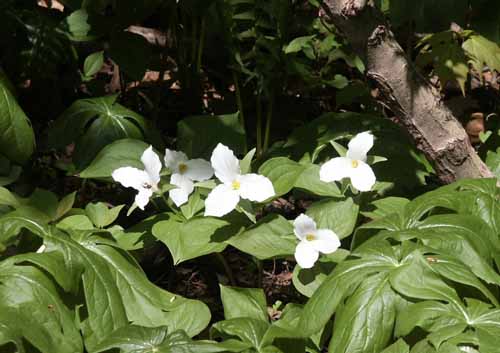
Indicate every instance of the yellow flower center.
{"type": "Point", "coordinates": [182, 168]}
{"type": "Point", "coordinates": [310, 237]}
{"type": "Point", "coordinates": [354, 163]}
{"type": "Point", "coordinates": [236, 185]}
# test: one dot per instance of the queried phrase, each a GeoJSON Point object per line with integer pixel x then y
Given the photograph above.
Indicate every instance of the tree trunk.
{"type": "Point", "coordinates": [417, 105]}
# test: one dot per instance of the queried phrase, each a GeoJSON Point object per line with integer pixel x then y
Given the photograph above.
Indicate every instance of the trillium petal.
{"type": "Point", "coordinates": [173, 159]}
{"type": "Point", "coordinates": [142, 198]}
{"type": "Point", "coordinates": [305, 255]}
{"type": "Point", "coordinates": [326, 241]}
{"type": "Point", "coordinates": [255, 187]}
{"type": "Point", "coordinates": [181, 194]}
{"type": "Point", "coordinates": [225, 164]}
{"type": "Point", "coordinates": [131, 177]}
{"type": "Point", "coordinates": [335, 169]}
{"type": "Point", "coordinates": [359, 146]}
{"type": "Point", "coordinates": [303, 226]}
{"type": "Point", "coordinates": [362, 177]}
{"type": "Point", "coordinates": [152, 164]}
{"type": "Point", "coordinates": [221, 200]}
{"type": "Point", "coordinates": [199, 170]}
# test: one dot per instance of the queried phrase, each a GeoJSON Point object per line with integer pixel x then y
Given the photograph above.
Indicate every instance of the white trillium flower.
{"type": "Point", "coordinates": [184, 173]}
{"type": "Point", "coordinates": [312, 241]}
{"type": "Point", "coordinates": [224, 197]}
{"type": "Point", "coordinates": [144, 181]}
{"type": "Point", "coordinates": [353, 165]}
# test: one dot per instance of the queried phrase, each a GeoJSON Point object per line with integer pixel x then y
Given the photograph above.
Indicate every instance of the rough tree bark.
{"type": "Point", "coordinates": [416, 104]}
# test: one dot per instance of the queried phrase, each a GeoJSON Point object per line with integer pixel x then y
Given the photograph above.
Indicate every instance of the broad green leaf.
{"type": "Point", "coordinates": [121, 153]}
{"type": "Point", "coordinates": [65, 205]}
{"type": "Point", "coordinates": [365, 321]}
{"type": "Point", "coordinates": [248, 330]}
{"type": "Point", "coordinates": [42, 318]}
{"type": "Point", "coordinates": [52, 262]}
{"type": "Point", "coordinates": [453, 269]}
{"type": "Point", "coordinates": [429, 315]}
{"type": "Point", "coordinates": [386, 206]}
{"type": "Point", "coordinates": [28, 218]}
{"type": "Point", "coordinates": [101, 215]}
{"type": "Point", "coordinates": [446, 56]}
{"type": "Point", "coordinates": [344, 278]}
{"type": "Point", "coordinates": [482, 52]}
{"type": "Point", "coordinates": [106, 311]}
{"type": "Point", "coordinates": [78, 25]}
{"type": "Point", "coordinates": [194, 205]}
{"type": "Point", "coordinates": [416, 279]}
{"type": "Point", "coordinates": [493, 162]}
{"type": "Point", "coordinates": [195, 237]}
{"type": "Point", "coordinates": [399, 347]}
{"type": "Point", "coordinates": [198, 135]}
{"type": "Point", "coordinates": [17, 140]}
{"type": "Point", "coordinates": [339, 216]}
{"type": "Point", "coordinates": [118, 292]}
{"type": "Point", "coordinates": [243, 302]}
{"type": "Point", "coordinates": [137, 339]}
{"type": "Point", "coordinates": [7, 198]}
{"type": "Point", "coordinates": [309, 180]}
{"type": "Point", "coordinates": [283, 173]}
{"type": "Point", "coordinates": [75, 222]}
{"type": "Point", "coordinates": [148, 305]}
{"type": "Point", "coordinates": [307, 280]}
{"type": "Point", "coordinates": [246, 162]}
{"type": "Point", "coordinates": [94, 123]}
{"type": "Point", "coordinates": [134, 339]}
{"type": "Point", "coordinates": [298, 44]}
{"type": "Point", "coordinates": [271, 237]}
{"type": "Point", "coordinates": [93, 63]}
{"type": "Point", "coordinates": [9, 172]}
{"type": "Point", "coordinates": [466, 237]}
{"type": "Point", "coordinates": [44, 201]}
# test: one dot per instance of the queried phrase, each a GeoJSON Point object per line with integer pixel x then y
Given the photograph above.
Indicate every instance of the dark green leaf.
{"type": "Point", "coordinates": [17, 140]}
{"type": "Point", "coordinates": [271, 237]}
{"type": "Point", "coordinates": [243, 302]}
{"type": "Point", "coordinates": [198, 135]}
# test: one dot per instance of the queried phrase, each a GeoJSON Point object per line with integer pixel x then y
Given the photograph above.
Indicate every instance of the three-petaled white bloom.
{"type": "Point", "coordinates": [312, 241]}
{"type": "Point", "coordinates": [224, 197]}
{"type": "Point", "coordinates": [144, 181]}
{"type": "Point", "coordinates": [184, 172]}
{"type": "Point", "coordinates": [353, 165]}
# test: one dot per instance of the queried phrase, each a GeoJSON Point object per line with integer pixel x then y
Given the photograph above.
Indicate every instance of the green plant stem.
{"type": "Point", "coordinates": [194, 46]}
{"type": "Point", "coordinates": [239, 103]}
{"type": "Point", "coordinates": [155, 204]}
{"type": "Point", "coordinates": [227, 268]}
{"type": "Point", "coordinates": [259, 125]}
{"type": "Point", "coordinates": [260, 272]}
{"type": "Point", "coordinates": [168, 206]}
{"type": "Point", "coordinates": [201, 44]}
{"type": "Point", "coordinates": [269, 118]}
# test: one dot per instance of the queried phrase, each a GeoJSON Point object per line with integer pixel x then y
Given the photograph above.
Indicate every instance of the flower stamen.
{"type": "Point", "coordinates": [236, 185]}
{"type": "Point", "coordinates": [310, 237]}
{"type": "Point", "coordinates": [182, 168]}
{"type": "Point", "coordinates": [354, 163]}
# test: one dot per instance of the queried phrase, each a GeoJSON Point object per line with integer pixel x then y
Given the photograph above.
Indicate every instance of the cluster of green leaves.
{"type": "Point", "coordinates": [430, 264]}
{"type": "Point", "coordinates": [422, 276]}
{"type": "Point", "coordinates": [412, 276]}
